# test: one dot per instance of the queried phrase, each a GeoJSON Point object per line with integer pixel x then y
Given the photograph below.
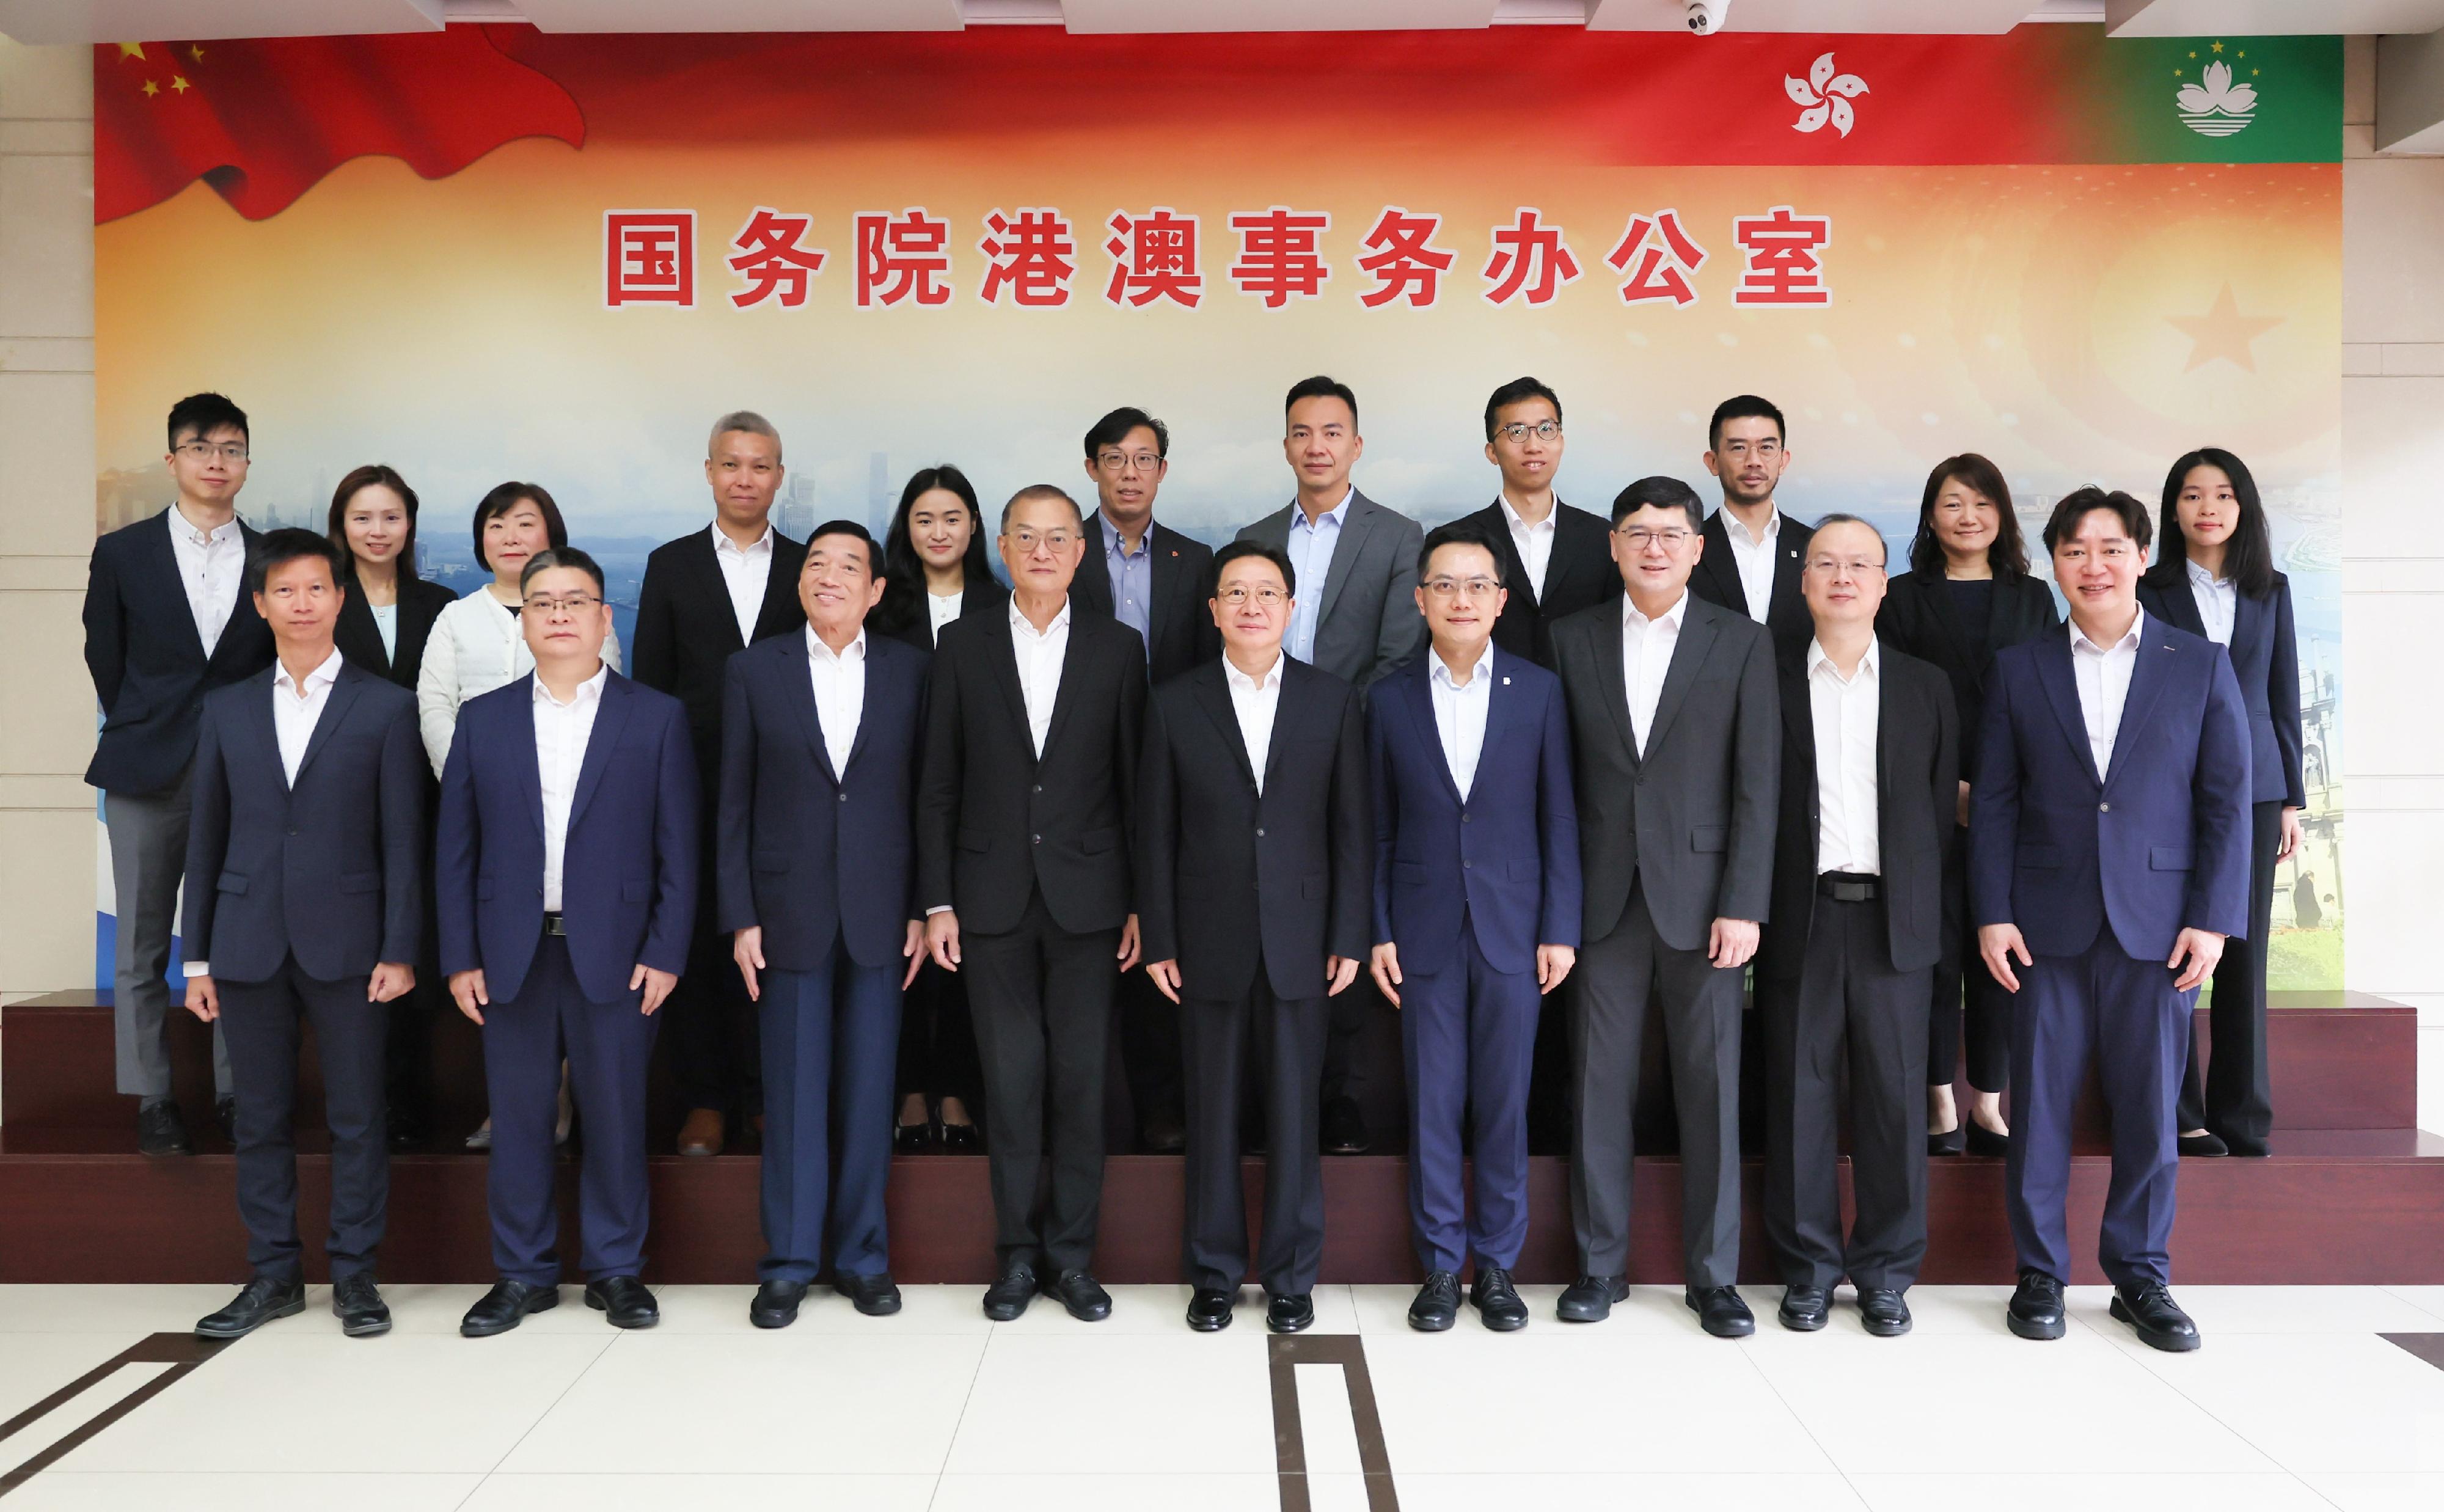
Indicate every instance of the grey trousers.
{"type": "Point", "coordinates": [148, 854]}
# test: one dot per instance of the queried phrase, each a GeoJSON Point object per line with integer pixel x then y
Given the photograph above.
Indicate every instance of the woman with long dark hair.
{"type": "Point", "coordinates": [2214, 577]}
{"type": "Point", "coordinates": [935, 569]}
{"type": "Point", "coordinates": [1968, 595]}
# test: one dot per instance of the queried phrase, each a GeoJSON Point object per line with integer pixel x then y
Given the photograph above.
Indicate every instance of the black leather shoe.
{"type": "Point", "coordinates": [624, 1301]}
{"type": "Point", "coordinates": [1986, 1142]}
{"type": "Point", "coordinates": [959, 1138]}
{"type": "Point", "coordinates": [401, 1128]}
{"type": "Point", "coordinates": [1008, 1298]}
{"type": "Point", "coordinates": [1438, 1303]}
{"type": "Point", "coordinates": [2203, 1143]}
{"type": "Point", "coordinates": [159, 1131]}
{"type": "Point", "coordinates": [876, 1296]}
{"type": "Point", "coordinates": [506, 1306]}
{"type": "Point", "coordinates": [1209, 1309]}
{"type": "Point", "coordinates": [1720, 1311]}
{"type": "Point", "coordinates": [225, 1115]}
{"type": "Point", "coordinates": [1804, 1309]}
{"type": "Point", "coordinates": [1343, 1128]}
{"type": "Point", "coordinates": [2248, 1149]}
{"type": "Point", "coordinates": [776, 1303]}
{"type": "Point", "coordinates": [911, 1138]}
{"type": "Point", "coordinates": [1883, 1312]}
{"type": "Point", "coordinates": [1163, 1135]}
{"type": "Point", "coordinates": [257, 1303]}
{"type": "Point", "coordinates": [1081, 1294]}
{"type": "Point", "coordinates": [2160, 1320]}
{"type": "Point", "coordinates": [1290, 1315]}
{"type": "Point", "coordinates": [1496, 1300]}
{"type": "Point", "coordinates": [1589, 1299]}
{"type": "Point", "coordinates": [1950, 1142]}
{"type": "Point", "coordinates": [355, 1301]}
{"type": "Point", "coordinates": [2037, 1306]}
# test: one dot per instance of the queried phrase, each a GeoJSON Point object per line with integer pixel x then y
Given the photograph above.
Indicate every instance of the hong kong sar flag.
{"type": "Point", "coordinates": [261, 120]}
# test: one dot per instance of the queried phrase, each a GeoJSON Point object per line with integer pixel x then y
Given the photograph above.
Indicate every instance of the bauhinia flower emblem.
{"type": "Point", "coordinates": [2215, 106]}
{"type": "Point", "coordinates": [1823, 96]}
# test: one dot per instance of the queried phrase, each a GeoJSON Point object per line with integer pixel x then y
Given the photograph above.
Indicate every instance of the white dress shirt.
{"type": "Point", "coordinates": [210, 565]}
{"type": "Point", "coordinates": [940, 609]}
{"type": "Point", "coordinates": [1459, 713]}
{"type": "Point", "coordinates": [477, 645]}
{"type": "Point", "coordinates": [2104, 676]}
{"type": "Point", "coordinates": [293, 725]}
{"type": "Point", "coordinates": [1311, 546]}
{"type": "Point", "coordinates": [840, 694]}
{"type": "Point", "coordinates": [1845, 713]}
{"type": "Point", "coordinates": [1256, 701]}
{"type": "Point", "coordinates": [386, 625]}
{"type": "Point", "coordinates": [1039, 667]}
{"type": "Point", "coordinates": [2218, 602]}
{"type": "Point", "coordinates": [745, 570]}
{"type": "Point", "coordinates": [1754, 559]}
{"type": "Point", "coordinates": [1645, 656]}
{"type": "Point", "coordinates": [560, 733]}
{"type": "Point", "coordinates": [1534, 542]}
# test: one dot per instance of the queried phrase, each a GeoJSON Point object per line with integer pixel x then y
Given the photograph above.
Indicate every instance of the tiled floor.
{"type": "Point", "coordinates": [2296, 1402]}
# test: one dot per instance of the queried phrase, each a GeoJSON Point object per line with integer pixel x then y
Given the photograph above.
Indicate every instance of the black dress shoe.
{"type": "Point", "coordinates": [1163, 1136]}
{"type": "Point", "coordinates": [2160, 1320]}
{"type": "Point", "coordinates": [959, 1138]}
{"type": "Point", "coordinates": [911, 1138]}
{"type": "Point", "coordinates": [2203, 1143]}
{"type": "Point", "coordinates": [401, 1128]}
{"type": "Point", "coordinates": [1008, 1298]}
{"type": "Point", "coordinates": [1209, 1309]}
{"type": "Point", "coordinates": [1496, 1300]}
{"type": "Point", "coordinates": [776, 1303]}
{"type": "Point", "coordinates": [876, 1296]}
{"type": "Point", "coordinates": [1720, 1311]}
{"type": "Point", "coordinates": [355, 1301]}
{"type": "Point", "coordinates": [1589, 1299]}
{"type": "Point", "coordinates": [159, 1131]}
{"type": "Point", "coordinates": [1883, 1312]}
{"type": "Point", "coordinates": [1984, 1141]}
{"type": "Point", "coordinates": [1436, 1306]}
{"type": "Point", "coordinates": [1290, 1313]}
{"type": "Point", "coordinates": [225, 1114]}
{"type": "Point", "coordinates": [1343, 1128]}
{"type": "Point", "coordinates": [624, 1301]}
{"type": "Point", "coordinates": [2248, 1149]}
{"type": "Point", "coordinates": [1804, 1309]}
{"type": "Point", "coordinates": [2037, 1306]}
{"type": "Point", "coordinates": [1081, 1294]}
{"type": "Point", "coordinates": [1950, 1142]}
{"type": "Point", "coordinates": [506, 1306]}
{"type": "Point", "coordinates": [258, 1302]}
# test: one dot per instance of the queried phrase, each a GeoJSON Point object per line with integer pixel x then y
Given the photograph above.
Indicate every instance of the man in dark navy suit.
{"type": "Point", "coordinates": [816, 853]}
{"type": "Point", "coordinates": [566, 884]}
{"type": "Point", "coordinates": [307, 846]}
{"type": "Point", "coordinates": [2109, 857]}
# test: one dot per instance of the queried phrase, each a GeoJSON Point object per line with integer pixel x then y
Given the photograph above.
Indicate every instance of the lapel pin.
{"type": "Point", "coordinates": [1505, 682]}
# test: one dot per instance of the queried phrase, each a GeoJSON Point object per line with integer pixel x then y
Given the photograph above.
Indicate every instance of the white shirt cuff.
{"type": "Point", "coordinates": [938, 907]}
{"type": "Point", "coordinates": [199, 968]}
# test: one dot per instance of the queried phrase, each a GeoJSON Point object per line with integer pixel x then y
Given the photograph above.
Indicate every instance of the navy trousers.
{"type": "Point", "coordinates": [608, 1047]}
{"type": "Point", "coordinates": [2124, 1014]}
{"type": "Point", "coordinates": [1467, 1035]}
{"type": "Point", "coordinates": [830, 1043]}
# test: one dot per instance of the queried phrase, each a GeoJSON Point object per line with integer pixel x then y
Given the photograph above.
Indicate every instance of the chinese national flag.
{"type": "Point", "coordinates": [261, 120]}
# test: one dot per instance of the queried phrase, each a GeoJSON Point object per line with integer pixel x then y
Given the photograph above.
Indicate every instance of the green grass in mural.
{"type": "Point", "coordinates": [2305, 961]}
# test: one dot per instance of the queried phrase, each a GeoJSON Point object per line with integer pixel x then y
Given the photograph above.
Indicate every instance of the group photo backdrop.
{"type": "Point", "coordinates": [488, 253]}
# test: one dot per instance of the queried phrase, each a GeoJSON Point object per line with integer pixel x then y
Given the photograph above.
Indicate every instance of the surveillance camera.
{"type": "Point", "coordinates": [1706, 16]}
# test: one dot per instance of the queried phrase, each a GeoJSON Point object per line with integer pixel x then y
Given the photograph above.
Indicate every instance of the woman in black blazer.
{"type": "Point", "coordinates": [2214, 577]}
{"type": "Point", "coordinates": [937, 569]}
{"type": "Point", "coordinates": [385, 618]}
{"type": "Point", "coordinates": [1968, 595]}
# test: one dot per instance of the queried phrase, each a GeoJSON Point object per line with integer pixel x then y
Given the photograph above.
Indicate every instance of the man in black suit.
{"type": "Point", "coordinates": [707, 595]}
{"type": "Point", "coordinates": [1754, 552]}
{"type": "Point", "coordinates": [1870, 780]}
{"type": "Point", "coordinates": [1153, 579]}
{"type": "Point", "coordinates": [1677, 731]}
{"type": "Point", "coordinates": [1023, 815]}
{"type": "Point", "coordinates": [1253, 867]}
{"type": "Point", "coordinates": [165, 624]}
{"type": "Point", "coordinates": [306, 845]}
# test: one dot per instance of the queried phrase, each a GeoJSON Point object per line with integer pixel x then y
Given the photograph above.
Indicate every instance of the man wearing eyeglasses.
{"type": "Point", "coordinates": [1754, 552]}
{"type": "Point", "coordinates": [1476, 916]}
{"type": "Point", "coordinates": [1153, 579]}
{"type": "Point", "coordinates": [1024, 804]}
{"type": "Point", "coordinates": [1676, 729]}
{"type": "Point", "coordinates": [165, 624]}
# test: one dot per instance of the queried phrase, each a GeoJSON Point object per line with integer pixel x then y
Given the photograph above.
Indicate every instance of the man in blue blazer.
{"type": "Point", "coordinates": [815, 863]}
{"type": "Point", "coordinates": [2109, 857]}
{"type": "Point", "coordinates": [1476, 912]}
{"type": "Point", "coordinates": [307, 851]}
{"type": "Point", "coordinates": [567, 883]}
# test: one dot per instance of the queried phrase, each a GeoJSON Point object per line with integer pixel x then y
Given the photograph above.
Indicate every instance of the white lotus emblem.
{"type": "Point", "coordinates": [2216, 106]}
{"type": "Point", "coordinates": [1824, 97]}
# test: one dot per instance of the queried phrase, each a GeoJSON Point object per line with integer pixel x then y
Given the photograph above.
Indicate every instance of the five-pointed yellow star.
{"type": "Point", "coordinates": [178, 83]}
{"type": "Point", "coordinates": [152, 88]}
{"type": "Point", "coordinates": [2222, 332]}
{"type": "Point", "coordinates": [2218, 46]}
{"type": "Point", "coordinates": [197, 53]}
{"type": "Point", "coordinates": [131, 49]}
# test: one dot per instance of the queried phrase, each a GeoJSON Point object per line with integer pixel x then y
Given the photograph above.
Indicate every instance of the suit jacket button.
{"type": "Point", "coordinates": [1463, 819]}
{"type": "Point", "coordinates": [1039, 839]}
{"type": "Point", "coordinates": [1466, 865]}
{"type": "Point", "coordinates": [1260, 832]}
{"type": "Point", "coordinates": [1038, 788]}
{"type": "Point", "coordinates": [2105, 808]}
{"type": "Point", "coordinates": [843, 797]}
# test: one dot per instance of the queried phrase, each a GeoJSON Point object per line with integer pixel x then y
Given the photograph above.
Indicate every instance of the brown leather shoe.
{"type": "Point", "coordinates": [701, 1133]}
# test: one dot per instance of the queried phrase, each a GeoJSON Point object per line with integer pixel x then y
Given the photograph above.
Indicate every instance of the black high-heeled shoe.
{"type": "Point", "coordinates": [1950, 1142]}
{"type": "Point", "coordinates": [1984, 1141]}
{"type": "Point", "coordinates": [911, 1138]}
{"type": "Point", "coordinates": [958, 1139]}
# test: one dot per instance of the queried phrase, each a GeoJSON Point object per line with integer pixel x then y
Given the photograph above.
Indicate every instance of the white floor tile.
{"type": "Point", "coordinates": [33, 1366]}
{"type": "Point", "coordinates": [2425, 1299]}
{"type": "Point", "coordinates": [1105, 1402]}
{"type": "Point", "coordinates": [2027, 1491]}
{"type": "Point", "coordinates": [2220, 1310]}
{"type": "Point", "coordinates": [107, 1309]}
{"type": "Point", "coordinates": [663, 1493]}
{"type": "Point", "coordinates": [923, 1310]}
{"type": "Point", "coordinates": [1233, 1492]}
{"type": "Point", "coordinates": [1649, 1493]}
{"type": "Point", "coordinates": [2330, 1402]}
{"type": "Point", "coordinates": [2378, 1490]}
{"type": "Point", "coordinates": [245, 1491]}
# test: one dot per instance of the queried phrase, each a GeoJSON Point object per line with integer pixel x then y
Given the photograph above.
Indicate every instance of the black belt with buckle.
{"type": "Point", "coordinates": [553, 923]}
{"type": "Point", "coordinates": [1845, 887]}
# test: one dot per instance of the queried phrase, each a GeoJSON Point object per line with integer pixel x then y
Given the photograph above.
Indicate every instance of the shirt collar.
{"type": "Point", "coordinates": [1117, 545]}
{"type": "Point", "coordinates": [722, 545]}
{"type": "Point", "coordinates": [2204, 579]}
{"type": "Point", "coordinates": [1519, 521]}
{"type": "Point", "coordinates": [1671, 617]}
{"type": "Point", "coordinates": [322, 676]}
{"type": "Point", "coordinates": [225, 531]}
{"type": "Point", "coordinates": [588, 691]}
{"type": "Point", "coordinates": [1441, 672]}
{"type": "Point", "coordinates": [1869, 665]}
{"type": "Point", "coordinates": [1732, 522]}
{"type": "Point", "coordinates": [1272, 677]}
{"type": "Point", "coordinates": [1020, 625]}
{"type": "Point", "coordinates": [2078, 641]}
{"type": "Point", "coordinates": [1338, 514]}
{"type": "Point", "coordinates": [855, 651]}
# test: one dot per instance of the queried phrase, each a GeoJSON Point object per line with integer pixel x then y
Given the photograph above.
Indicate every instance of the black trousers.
{"type": "Point", "coordinates": [1848, 1011]}
{"type": "Point", "coordinates": [1285, 1041]}
{"type": "Point", "coordinates": [2233, 1100]}
{"type": "Point", "coordinates": [1965, 993]}
{"type": "Point", "coordinates": [716, 1062]}
{"type": "Point", "coordinates": [1344, 1051]}
{"type": "Point", "coordinates": [1150, 1051]}
{"type": "Point", "coordinates": [938, 1041]}
{"type": "Point", "coordinates": [260, 1020]}
{"type": "Point", "coordinates": [1042, 1002]}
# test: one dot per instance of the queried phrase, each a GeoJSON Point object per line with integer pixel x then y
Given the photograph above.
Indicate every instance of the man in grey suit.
{"type": "Point", "coordinates": [1360, 625]}
{"type": "Point", "coordinates": [1676, 729]}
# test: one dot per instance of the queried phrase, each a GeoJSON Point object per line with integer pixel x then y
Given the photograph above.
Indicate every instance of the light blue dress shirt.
{"type": "Point", "coordinates": [1132, 581]}
{"type": "Point", "coordinates": [1311, 549]}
